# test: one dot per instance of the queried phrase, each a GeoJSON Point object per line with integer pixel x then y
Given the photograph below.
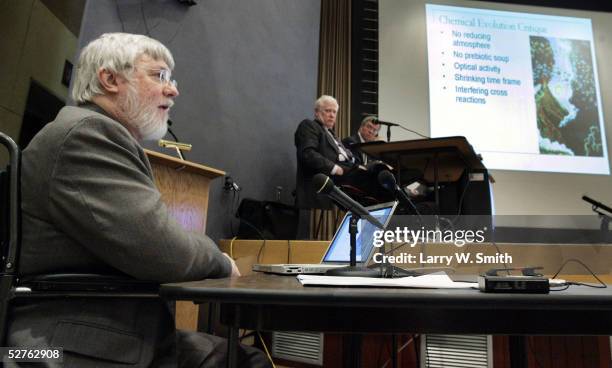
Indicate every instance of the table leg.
{"type": "Point", "coordinates": [233, 339]}
{"type": "Point", "coordinates": [518, 355]}
{"type": "Point", "coordinates": [394, 351]}
{"type": "Point", "coordinates": [352, 350]}
{"type": "Point", "coordinates": [212, 318]}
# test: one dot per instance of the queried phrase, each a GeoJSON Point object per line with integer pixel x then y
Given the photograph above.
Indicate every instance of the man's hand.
{"type": "Point", "coordinates": [235, 272]}
{"type": "Point", "coordinates": [337, 170]}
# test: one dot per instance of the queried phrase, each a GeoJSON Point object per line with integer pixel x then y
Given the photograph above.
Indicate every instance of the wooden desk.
{"type": "Point", "coordinates": [268, 302]}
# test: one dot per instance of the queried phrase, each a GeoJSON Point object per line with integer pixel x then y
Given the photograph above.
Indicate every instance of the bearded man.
{"type": "Point", "coordinates": [90, 205]}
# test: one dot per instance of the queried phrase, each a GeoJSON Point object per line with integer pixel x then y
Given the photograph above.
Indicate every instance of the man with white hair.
{"type": "Point", "coordinates": [318, 150]}
{"type": "Point", "coordinates": [89, 204]}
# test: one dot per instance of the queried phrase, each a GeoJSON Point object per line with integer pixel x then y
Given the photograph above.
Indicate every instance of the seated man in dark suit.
{"type": "Point", "coordinates": [90, 205]}
{"type": "Point", "coordinates": [318, 150]}
{"type": "Point", "coordinates": [368, 132]}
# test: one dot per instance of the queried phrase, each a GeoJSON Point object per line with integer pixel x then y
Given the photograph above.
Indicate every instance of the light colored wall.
{"type": "Point", "coordinates": [34, 45]}
{"type": "Point", "coordinates": [404, 97]}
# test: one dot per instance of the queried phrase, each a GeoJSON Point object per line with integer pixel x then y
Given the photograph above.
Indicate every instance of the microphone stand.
{"type": "Point", "coordinates": [353, 270]}
{"type": "Point", "coordinates": [604, 225]}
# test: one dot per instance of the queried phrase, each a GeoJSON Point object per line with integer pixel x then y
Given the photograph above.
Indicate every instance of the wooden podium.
{"type": "Point", "coordinates": [184, 187]}
{"type": "Point", "coordinates": [436, 160]}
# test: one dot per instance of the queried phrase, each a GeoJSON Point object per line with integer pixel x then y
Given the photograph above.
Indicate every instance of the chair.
{"type": "Point", "coordinates": [50, 285]}
{"type": "Point", "coordinates": [266, 220]}
{"type": "Point", "coordinates": [9, 228]}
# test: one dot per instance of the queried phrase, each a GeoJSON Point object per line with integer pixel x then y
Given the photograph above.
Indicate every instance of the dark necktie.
{"type": "Point", "coordinates": [347, 152]}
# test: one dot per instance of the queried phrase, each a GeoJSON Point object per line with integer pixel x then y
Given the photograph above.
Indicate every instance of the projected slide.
{"type": "Point", "coordinates": [521, 87]}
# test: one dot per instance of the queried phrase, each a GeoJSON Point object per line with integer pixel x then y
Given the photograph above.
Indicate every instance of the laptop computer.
{"type": "Point", "coordinates": [338, 251]}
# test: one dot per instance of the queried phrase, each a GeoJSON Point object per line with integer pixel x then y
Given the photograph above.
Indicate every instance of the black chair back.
{"type": "Point", "coordinates": [51, 285]}
{"type": "Point", "coordinates": [9, 227]}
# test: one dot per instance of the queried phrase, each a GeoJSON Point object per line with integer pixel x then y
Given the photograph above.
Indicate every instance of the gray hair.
{"type": "Point", "coordinates": [371, 118]}
{"type": "Point", "coordinates": [117, 53]}
{"type": "Point", "coordinates": [323, 100]}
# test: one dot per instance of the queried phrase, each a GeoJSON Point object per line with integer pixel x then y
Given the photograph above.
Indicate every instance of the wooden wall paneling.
{"type": "Point", "coordinates": [573, 345]}
{"type": "Point", "coordinates": [501, 354]}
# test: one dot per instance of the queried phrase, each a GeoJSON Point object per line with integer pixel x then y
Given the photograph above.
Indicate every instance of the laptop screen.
{"type": "Point", "coordinates": [340, 247]}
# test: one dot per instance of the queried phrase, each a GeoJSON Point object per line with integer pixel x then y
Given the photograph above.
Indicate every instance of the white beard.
{"type": "Point", "coordinates": [142, 117]}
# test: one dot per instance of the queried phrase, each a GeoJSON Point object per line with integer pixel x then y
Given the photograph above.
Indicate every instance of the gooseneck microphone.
{"type": "Point", "coordinates": [389, 125]}
{"type": "Point", "coordinates": [178, 151]}
{"type": "Point", "coordinates": [598, 207]}
{"type": "Point", "coordinates": [385, 123]}
{"type": "Point", "coordinates": [596, 204]}
{"type": "Point", "coordinates": [322, 184]}
{"type": "Point", "coordinates": [169, 122]}
{"type": "Point", "coordinates": [387, 181]}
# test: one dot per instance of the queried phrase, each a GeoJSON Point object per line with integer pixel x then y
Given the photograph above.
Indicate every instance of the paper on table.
{"type": "Point", "coordinates": [432, 281]}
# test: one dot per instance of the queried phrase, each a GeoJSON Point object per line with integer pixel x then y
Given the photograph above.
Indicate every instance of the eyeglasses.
{"type": "Point", "coordinates": [371, 128]}
{"type": "Point", "coordinates": [165, 77]}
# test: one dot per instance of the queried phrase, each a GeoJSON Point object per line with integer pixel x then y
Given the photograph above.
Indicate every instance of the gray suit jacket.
{"type": "Point", "coordinates": [89, 204]}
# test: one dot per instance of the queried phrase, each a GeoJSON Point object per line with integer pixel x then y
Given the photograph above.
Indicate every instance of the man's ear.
{"type": "Point", "coordinates": [108, 80]}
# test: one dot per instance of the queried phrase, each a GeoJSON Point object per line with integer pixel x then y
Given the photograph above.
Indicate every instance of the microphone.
{"type": "Point", "coordinates": [385, 123]}
{"type": "Point", "coordinates": [180, 154]}
{"type": "Point", "coordinates": [387, 181]}
{"type": "Point", "coordinates": [169, 123]}
{"type": "Point", "coordinates": [596, 204]}
{"type": "Point", "coordinates": [389, 125]}
{"type": "Point", "coordinates": [323, 184]}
